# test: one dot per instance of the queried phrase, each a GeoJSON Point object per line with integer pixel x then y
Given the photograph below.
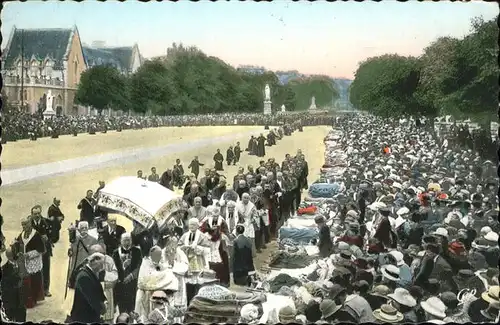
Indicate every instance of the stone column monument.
{"type": "Point", "coordinates": [267, 100]}
{"type": "Point", "coordinates": [49, 106]}
{"type": "Point", "coordinates": [313, 104]}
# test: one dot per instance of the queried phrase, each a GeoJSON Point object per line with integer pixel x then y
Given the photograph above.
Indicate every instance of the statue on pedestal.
{"type": "Point", "coordinates": [267, 92]}
{"type": "Point", "coordinates": [313, 103]}
{"type": "Point", "coordinates": [267, 100]}
{"type": "Point", "coordinates": [49, 106]}
{"type": "Point", "coordinates": [283, 108]}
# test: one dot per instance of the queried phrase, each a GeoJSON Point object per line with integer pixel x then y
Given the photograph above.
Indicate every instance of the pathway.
{"type": "Point", "coordinates": [18, 175]}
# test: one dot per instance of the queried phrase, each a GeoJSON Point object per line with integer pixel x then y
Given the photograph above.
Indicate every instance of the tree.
{"type": "Point", "coordinates": [438, 75]}
{"type": "Point", "coordinates": [320, 87]}
{"type": "Point", "coordinates": [151, 88]}
{"type": "Point", "coordinates": [477, 91]}
{"type": "Point", "coordinates": [385, 85]}
{"type": "Point", "coordinates": [103, 87]}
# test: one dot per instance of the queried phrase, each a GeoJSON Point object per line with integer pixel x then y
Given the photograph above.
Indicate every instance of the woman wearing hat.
{"type": "Point", "coordinates": [161, 310]}
{"type": "Point", "coordinates": [287, 315]}
{"type": "Point", "coordinates": [434, 309]}
{"type": "Point", "coordinates": [402, 300]}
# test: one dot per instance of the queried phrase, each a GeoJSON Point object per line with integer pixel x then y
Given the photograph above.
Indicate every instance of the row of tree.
{"type": "Point", "coordinates": [187, 81]}
{"type": "Point", "coordinates": [457, 77]}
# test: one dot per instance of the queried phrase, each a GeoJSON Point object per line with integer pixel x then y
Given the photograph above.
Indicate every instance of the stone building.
{"type": "Point", "coordinates": [39, 60]}
{"type": "Point", "coordinates": [126, 59]}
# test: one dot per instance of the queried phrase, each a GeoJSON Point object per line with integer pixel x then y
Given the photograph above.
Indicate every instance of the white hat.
{"type": "Point", "coordinates": [398, 256]}
{"type": "Point", "coordinates": [352, 213]}
{"type": "Point", "coordinates": [491, 236]}
{"type": "Point", "coordinates": [375, 206]}
{"type": "Point", "coordinates": [441, 232]}
{"type": "Point", "coordinates": [403, 297]}
{"type": "Point", "coordinates": [390, 272]}
{"type": "Point", "coordinates": [398, 222]}
{"type": "Point", "coordinates": [397, 185]}
{"type": "Point", "coordinates": [402, 211]}
{"type": "Point", "coordinates": [485, 230]}
{"type": "Point", "coordinates": [434, 306]}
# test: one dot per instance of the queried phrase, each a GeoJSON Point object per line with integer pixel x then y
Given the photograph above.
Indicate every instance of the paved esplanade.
{"type": "Point", "coordinates": [18, 175]}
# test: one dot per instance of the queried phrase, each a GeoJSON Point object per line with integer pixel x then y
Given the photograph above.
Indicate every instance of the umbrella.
{"type": "Point", "coordinates": [140, 200]}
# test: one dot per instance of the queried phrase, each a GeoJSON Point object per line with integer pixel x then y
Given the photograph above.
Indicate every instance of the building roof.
{"type": "Point", "coordinates": [119, 57]}
{"type": "Point", "coordinates": [40, 44]}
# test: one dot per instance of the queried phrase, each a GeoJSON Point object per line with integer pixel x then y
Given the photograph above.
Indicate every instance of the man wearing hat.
{"type": "Point", "coordinates": [328, 309]}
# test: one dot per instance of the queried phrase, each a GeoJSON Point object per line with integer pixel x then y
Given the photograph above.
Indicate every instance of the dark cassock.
{"type": "Point", "coordinates": [270, 139]}
{"type": "Point", "coordinates": [128, 263]}
{"type": "Point", "coordinates": [87, 212]}
{"type": "Point", "coordinates": [89, 297]}
{"type": "Point", "coordinates": [44, 227]}
{"type": "Point", "coordinates": [218, 191]}
{"type": "Point", "coordinates": [195, 167]}
{"type": "Point", "coordinates": [32, 247]}
{"type": "Point", "coordinates": [218, 161]}
{"type": "Point", "coordinates": [237, 153]}
{"type": "Point", "coordinates": [242, 260]}
{"type": "Point", "coordinates": [142, 238]}
{"type": "Point", "coordinates": [212, 181]}
{"type": "Point", "coordinates": [56, 217]}
{"type": "Point", "coordinates": [178, 174]}
{"type": "Point", "coordinates": [251, 146]}
{"type": "Point", "coordinates": [261, 146]}
{"type": "Point", "coordinates": [12, 294]}
{"type": "Point", "coordinates": [230, 156]}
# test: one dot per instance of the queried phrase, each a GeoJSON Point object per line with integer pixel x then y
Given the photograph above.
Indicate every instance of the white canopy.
{"type": "Point", "coordinates": [140, 200]}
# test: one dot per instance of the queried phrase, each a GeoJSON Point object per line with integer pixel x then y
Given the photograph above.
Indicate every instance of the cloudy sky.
{"type": "Point", "coordinates": [314, 38]}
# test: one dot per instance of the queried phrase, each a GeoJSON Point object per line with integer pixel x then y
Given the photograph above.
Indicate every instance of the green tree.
{"type": "Point", "coordinates": [321, 87]}
{"type": "Point", "coordinates": [438, 75]}
{"type": "Point", "coordinates": [385, 85]}
{"type": "Point", "coordinates": [103, 87]}
{"type": "Point", "coordinates": [477, 89]}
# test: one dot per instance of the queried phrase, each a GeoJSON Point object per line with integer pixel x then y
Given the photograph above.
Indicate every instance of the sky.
{"type": "Point", "coordinates": [313, 38]}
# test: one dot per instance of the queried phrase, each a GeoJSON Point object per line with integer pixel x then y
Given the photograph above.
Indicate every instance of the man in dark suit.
{"type": "Point", "coordinates": [242, 258]}
{"type": "Point", "coordinates": [56, 217]}
{"type": "Point", "coordinates": [434, 266]}
{"type": "Point", "coordinates": [44, 227]}
{"type": "Point", "coordinates": [87, 208]}
{"type": "Point", "coordinates": [195, 166]}
{"type": "Point", "coordinates": [128, 261]}
{"type": "Point", "coordinates": [89, 302]}
{"type": "Point", "coordinates": [111, 235]}
{"type": "Point", "coordinates": [12, 297]}
{"type": "Point", "coordinates": [237, 153]}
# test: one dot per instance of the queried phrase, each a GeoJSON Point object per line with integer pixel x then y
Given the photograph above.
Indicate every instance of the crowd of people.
{"type": "Point", "coordinates": [18, 125]}
{"type": "Point", "coordinates": [401, 227]}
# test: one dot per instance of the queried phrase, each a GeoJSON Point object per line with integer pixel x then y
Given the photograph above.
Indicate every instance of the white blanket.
{"type": "Point", "coordinates": [274, 302]}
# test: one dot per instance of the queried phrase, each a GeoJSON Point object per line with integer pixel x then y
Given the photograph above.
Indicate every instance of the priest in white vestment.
{"type": "Point", "coordinates": [154, 274]}
{"type": "Point", "coordinates": [196, 247]}
{"type": "Point", "coordinates": [214, 226]}
{"type": "Point", "coordinates": [248, 212]}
